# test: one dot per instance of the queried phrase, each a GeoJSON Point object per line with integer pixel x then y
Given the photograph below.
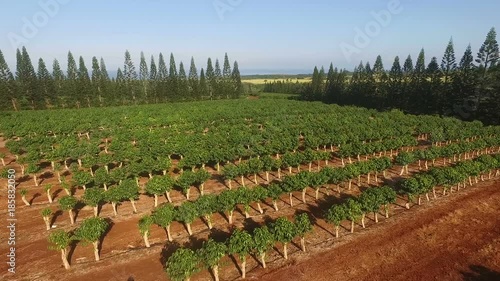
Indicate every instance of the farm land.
{"type": "Point", "coordinates": [216, 189]}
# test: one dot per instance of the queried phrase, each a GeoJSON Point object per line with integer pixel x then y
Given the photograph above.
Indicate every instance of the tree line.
{"type": "Point", "coordinates": [468, 89]}
{"type": "Point", "coordinates": [78, 86]}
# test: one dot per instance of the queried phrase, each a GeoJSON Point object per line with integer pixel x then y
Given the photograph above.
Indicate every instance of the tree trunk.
{"type": "Point", "coordinates": [303, 243]}
{"type": "Point", "coordinates": [229, 184]}
{"type": "Point", "coordinates": [285, 251]}
{"type": "Point", "coordinates": [49, 196]}
{"type": "Point", "coordinates": [386, 208]}
{"type": "Point", "coordinates": [275, 205]}
{"type": "Point", "coordinates": [350, 185]}
{"type": "Point", "coordinates": [156, 200]}
{"type": "Point", "coordinates": [310, 167]}
{"type": "Point", "coordinates": [402, 171]}
{"type": "Point", "coordinates": [363, 220]}
{"type": "Point", "coordinates": [375, 215]}
{"type": "Point", "coordinates": [316, 195]}
{"type": "Point", "coordinates": [64, 257]}
{"type": "Point", "coordinates": [215, 271]}
{"type": "Point", "coordinates": [279, 173]}
{"type": "Point", "coordinates": [146, 239]}
{"type": "Point", "coordinates": [260, 208]}
{"type": "Point", "coordinates": [71, 217]}
{"type": "Point", "coordinates": [209, 221]}
{"type": "Point", "coordinates": [167, 193]}
{"type": "Point", "coordinates": [243, 181]}
{"type": "Point", "coordinates": [188, 192]}
{"type": "Point", "coordinates": [290, 170]}
{"type": "Point", "coordinates": [25, 201]}
{"type": "Point", "coordinates": [243, 268]}
{"type": "Point", "coordinates": [114, 208]}
{"type": "Point", "coordinates": [255, 179]}
{"type": "Point", "coordinates": [96, 250]}
{"type": "Point", "coordinates": [188, 226]}
{"type": "Point", "coordinates": [434, 192]}
{"type": "Point", "coordinates": [304, 195]}
{"type": "Point", "coordinates": [337, 228]}
{"type": "Point", "coordinates": [230, 216]}
{"type": "Point", "coordinates": [352, 226]}
{"type": "Point", "coordinates": [427, 196]}
{"type": "Point", "coordinates": [263, 259]}
{"type": "Point", "coordinates": [96, 211]}
{"type": "Point", "coordinates": [35, 180]}
{"type": "Point", "coordinates": [267, 177]}
{"type": "Point", "coordinates": [169, 235]}
{"type": "Point", "coordinates": [291, 199]}
{"type": "Point", "coordinates": [419, 200]}
{"type": "Point", "coordinates": [218, 167]}
{"type": "Point", "coordinates": [133, 205]}
{"type": "Point", "coordinates": [47, 222]}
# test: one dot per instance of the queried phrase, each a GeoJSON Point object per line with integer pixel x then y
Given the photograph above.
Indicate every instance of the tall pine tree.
{"type": "Point", "coordinates": [183, 84]}
{"type": "Point", "coordinates": [173, 77]}
{"type": "Point", "coordinates": [7, 86]}
{"type": "Point", "coordinates": [130, 77]}
{"type": "Point", "coordinates": [211, 82]}
{"type": "Point", "coordinates": [144, 77]}
{"type": "Point", "coordinates": [194, 91]}
{"type": "Point", "coordinates": [236, 82]}
{"type": "Point", "coordinates": [217, 81]}
{"type": "Point", "coordinates": [46, 84]}
{"type": "Point", "coordinates": [84, 85]}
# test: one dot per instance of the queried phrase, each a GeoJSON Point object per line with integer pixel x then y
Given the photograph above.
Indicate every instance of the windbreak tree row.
{"type": "Point", "coordinates": [93, 86]}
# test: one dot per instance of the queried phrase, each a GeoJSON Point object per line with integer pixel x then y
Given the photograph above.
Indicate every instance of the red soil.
{"type": "Point", "coordinates": [455, 237]}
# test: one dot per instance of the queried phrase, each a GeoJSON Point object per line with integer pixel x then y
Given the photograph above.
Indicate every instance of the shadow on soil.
{"type": "Point", "coordinates": [480, 273]}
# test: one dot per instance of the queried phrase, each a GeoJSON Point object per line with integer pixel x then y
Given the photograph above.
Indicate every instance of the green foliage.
{"type": "Point", "coordinates": [163, 215]}
{"type": "Point", "coordinates": [46, 212]}
{"type": "Point", "coordinates": [263, 239]}
{"type": "Point", "coordinates": [187, 212]}
{"type": "Point", "coordinates": [145, 223]}
{"type": "Point", "coordinates": [91, 229]}
{"type": "Point", "coordinates": [283, 230]}
{"type": "Point", "coordinates": [67, 203]}
{"type": "Point", "coordinates": [303, 224]}
{"type": "Point", "coordinates": [59, 240]}
{"type": "Point", "coordinates": [336, 214]}
{"type": "Point", "coordinates": [240, 243]}
{"type": "Point", "coordinates": [182, 264]}
{"type": "Point", "coordinates": [353, 209]}
{"type": "Point", "coordinates": [211, 252]}
{"type": "Point", "coordinates": [93, 196]}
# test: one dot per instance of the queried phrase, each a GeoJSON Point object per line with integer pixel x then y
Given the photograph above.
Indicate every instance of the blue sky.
{"type": "Point", "coordinates": [265, 36]}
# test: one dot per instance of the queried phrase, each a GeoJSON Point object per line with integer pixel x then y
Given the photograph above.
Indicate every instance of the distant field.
{"type": "Point", "coordinates": [260, 81]}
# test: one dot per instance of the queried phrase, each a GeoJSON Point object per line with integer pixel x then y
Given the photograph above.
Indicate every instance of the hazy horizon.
{"type": "Point", "coordinates": [265, 37]}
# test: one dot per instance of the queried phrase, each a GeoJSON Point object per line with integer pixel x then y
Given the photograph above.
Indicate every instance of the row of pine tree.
{"type": "Point", "coordinates": [468, 89]}
{"type": "Point", "coordinates": [75, 88]}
